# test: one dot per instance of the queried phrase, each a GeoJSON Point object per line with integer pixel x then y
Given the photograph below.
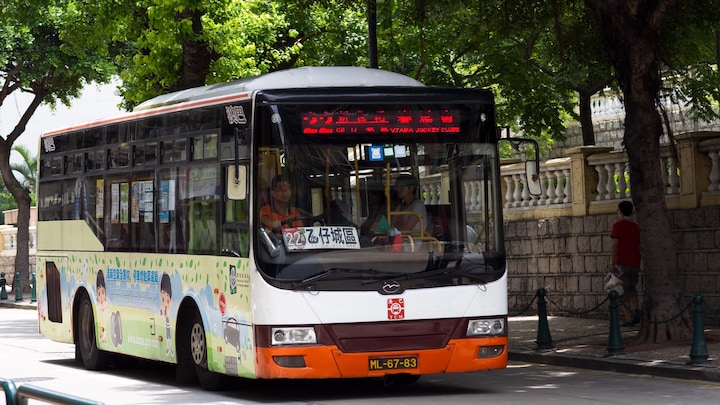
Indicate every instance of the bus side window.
{"type": "Point", "coordinates": [203, 227]}
{"type": "Point", "coordinates": [236, 231]}
{"type": "Point", "coordinates": [117, 194]}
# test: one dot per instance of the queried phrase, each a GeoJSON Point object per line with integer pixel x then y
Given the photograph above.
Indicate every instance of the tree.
{"type": "Point", "coordinates": [47, 54]}
{"type": "Point", "coordinates": [165, 46]}
{"type": "Point", "coordinates": [7, 201]}
{"type": "Point", "coordinates": [27, 169]}
{"type": "Point", "coordinates": [632, 32]}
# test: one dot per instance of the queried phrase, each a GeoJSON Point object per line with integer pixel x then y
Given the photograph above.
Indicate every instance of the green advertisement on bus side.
{"type": "Point", "coordinates": [137, 297]}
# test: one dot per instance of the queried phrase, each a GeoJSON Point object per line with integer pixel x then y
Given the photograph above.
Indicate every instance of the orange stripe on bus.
{"type": "Point", "coordinates": [460, 355]}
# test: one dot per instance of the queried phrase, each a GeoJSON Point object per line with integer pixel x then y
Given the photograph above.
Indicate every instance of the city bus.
{"type": "Point", "coordinates": [150, 241]}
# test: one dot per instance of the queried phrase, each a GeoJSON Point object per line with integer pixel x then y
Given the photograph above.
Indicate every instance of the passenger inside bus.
{"type": "Point", "coordinates": [415, 216]}
{"type": "Point", "coordinates": [273, 216]}
{"type": "Point", "coordinates": [376, 221]}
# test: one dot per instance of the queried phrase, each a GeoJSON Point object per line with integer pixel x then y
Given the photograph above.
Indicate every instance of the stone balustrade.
{"type": "Point", "coordinates": [711, 147]}
{"type": "Point", "coordinates": [8, 233]}
{"type": "Point", "coordinates": [555, 183]}
{"type": "Point", "coordinates": [592, 179]}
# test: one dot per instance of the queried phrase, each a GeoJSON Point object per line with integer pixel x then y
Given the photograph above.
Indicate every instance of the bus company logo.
{"type": "Point", "coordinates": [49, 144]}
{"type": "Point", "coordinates": [235, 115]}
{"type": "Point", "coordinates": [391, 287]}
{"type": "Point", "coordinates": [396, 308]}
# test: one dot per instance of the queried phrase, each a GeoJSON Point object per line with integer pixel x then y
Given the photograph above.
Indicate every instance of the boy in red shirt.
{"type": "Point", "coordinates": [626, 260]}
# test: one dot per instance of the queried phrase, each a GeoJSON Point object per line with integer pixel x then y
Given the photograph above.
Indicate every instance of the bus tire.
{"type": "Point", "coordinates": [86, 341]}
{"type": "Point", "coordinates": [209, 380]}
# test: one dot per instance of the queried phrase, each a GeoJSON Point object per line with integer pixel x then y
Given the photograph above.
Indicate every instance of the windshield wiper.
{"type": "Point", "coordinates": [436, 272]}
{"type": "Point", "coordinates": [355, 273]}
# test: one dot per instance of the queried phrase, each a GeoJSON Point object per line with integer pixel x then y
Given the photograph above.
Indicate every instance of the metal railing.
{"type": "Point", "coordinates": [20, 395]}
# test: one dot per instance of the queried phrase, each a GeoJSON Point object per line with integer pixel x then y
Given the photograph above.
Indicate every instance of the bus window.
{"type": "Point", "coordinates": [202, 201]}
{"type": "Point", "coordinates": [117, 208]}
{"type": "Point", "coordinates": [236, 232]}
{"type": "Point", "coordinates": [205, 146]}
{"type": "Point", "coordinates": [145, 154]}
{"type": "Point", "coordinates": [142, 227]}
{"type": "Point", "coordinates": [73, 202]}
{"type": "Point", "coordinates": [50, 201]}
{"type": "Point", "coordinates": [171, 222]}
{"type": "Point", "coordinates": [119, 157]}
{"type": "Point", "coordinates": [95, 205]}
{"type": "Point", "coordinates": [174, 151]}
{"type": "Point", "coordinates": [94, 138]}
{"type": "Point", "coordinates": [51, 166]}
{"type": "Point", "coordinates": [203, 224]}
{"type": "Point", "coordinates": [74, 163]}
{"type": "Point", "coordinates": [95, 160]}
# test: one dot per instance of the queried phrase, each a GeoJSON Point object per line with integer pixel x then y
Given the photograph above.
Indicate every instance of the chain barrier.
{"type": "Point", "coordinates": [596, 307]}
{"type": "Point", "coordinates": [578, 312]}
{"type": "Point", "coordinates": [526, 307]}
{"type": "Point", "coordinates": [672, 318]}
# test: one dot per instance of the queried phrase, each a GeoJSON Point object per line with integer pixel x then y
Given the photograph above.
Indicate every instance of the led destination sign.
{"type": "Point", "coordinates": [380, 121]}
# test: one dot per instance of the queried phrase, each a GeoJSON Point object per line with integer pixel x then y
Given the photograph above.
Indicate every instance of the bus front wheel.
{"type": "Point", "coordinates": [209, 380]}
{"type": "Point", "coordinates": [86, 342]}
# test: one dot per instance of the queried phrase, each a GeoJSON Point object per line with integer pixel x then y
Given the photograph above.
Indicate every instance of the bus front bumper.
{"type": "Point", "coordinates": [460, 355]}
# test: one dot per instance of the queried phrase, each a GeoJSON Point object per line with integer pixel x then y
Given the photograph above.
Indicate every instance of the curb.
{"type": "Point", "coordinates": [622, 365]}
{"type": "Point", "coordinates": [18, 304]}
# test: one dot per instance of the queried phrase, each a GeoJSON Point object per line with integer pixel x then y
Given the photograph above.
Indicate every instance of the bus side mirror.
{"type": "Point", "coordinates": [532, 177]}
{"type": "Point", "coordinates": [236, 182]}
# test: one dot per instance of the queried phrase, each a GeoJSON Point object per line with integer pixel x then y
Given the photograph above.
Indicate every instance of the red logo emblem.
{"type": "Point", "coordinates": [222, 304]}
{"type": "Point", "coordinates": [396, 308]}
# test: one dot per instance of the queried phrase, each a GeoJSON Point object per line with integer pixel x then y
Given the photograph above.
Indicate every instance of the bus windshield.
{"type": "Point", "coordinates": [359, 196]}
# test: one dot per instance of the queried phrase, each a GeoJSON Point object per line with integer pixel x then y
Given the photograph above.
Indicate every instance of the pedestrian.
{"type": "Point", "coordinates": [626, 260]}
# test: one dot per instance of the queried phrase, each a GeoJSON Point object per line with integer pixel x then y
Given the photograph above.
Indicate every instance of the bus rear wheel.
{"type": "Point", "coordinates": [86, 341]}
{"type": "Point", "coordinates": [209, 380]}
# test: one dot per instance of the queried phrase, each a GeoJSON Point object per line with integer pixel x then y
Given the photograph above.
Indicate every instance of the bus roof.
{"type": "Point", "coordinates": [302, 77]}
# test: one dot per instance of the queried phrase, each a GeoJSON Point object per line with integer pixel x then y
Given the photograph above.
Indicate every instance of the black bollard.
{"type": "Point", "coordinates": [615, 343]}
{"type": "Point", "coordinates": [698, 351]}
{"type": "Point", "coordinates": [544, 340]}
{"type": "Point", "coordinates": [17, 286]}
{"type": "Point", "coordinates": [33, 294]}
{"type": "Point", "coordinates": [3, 284]}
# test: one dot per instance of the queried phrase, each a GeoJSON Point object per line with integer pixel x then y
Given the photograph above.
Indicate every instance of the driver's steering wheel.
{"type": "Point", "coordinates": [306, 220]}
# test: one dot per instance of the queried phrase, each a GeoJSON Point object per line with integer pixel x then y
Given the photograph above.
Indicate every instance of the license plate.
{"type": "Point", "coordinates": [393, 363]}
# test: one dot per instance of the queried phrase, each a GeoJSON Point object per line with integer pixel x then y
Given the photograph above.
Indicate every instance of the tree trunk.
{"type": "Point", "coordinates": [22, 196]}
{"type": "Point", "coordinates": [631, 32]}
{"type": "Point", "coordinates": [196, 55]}
{"type": "Point", "coordinates": [586, 122]}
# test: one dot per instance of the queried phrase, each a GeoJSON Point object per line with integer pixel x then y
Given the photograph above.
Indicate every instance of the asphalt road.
{"type": "Point", "coordinates": [28, 358]}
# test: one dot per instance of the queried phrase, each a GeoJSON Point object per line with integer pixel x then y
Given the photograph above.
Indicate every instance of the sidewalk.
{"type": "Point", "coordinates": [583, 343]}
{"type": "Point", "coordinates": [11, 302]}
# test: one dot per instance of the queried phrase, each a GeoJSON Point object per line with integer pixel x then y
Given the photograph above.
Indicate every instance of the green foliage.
{"type": "Point", "coordinates": [535, 56]}
{"type": "Point", "coordinates": [27, 170]}
{"type": "Point", "coordinates": [46, 51]}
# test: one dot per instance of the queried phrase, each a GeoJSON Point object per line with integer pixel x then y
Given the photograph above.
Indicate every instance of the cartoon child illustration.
{"type": "Point", "coordinates": [101, 292]}
{"type": "Point", "coordinates": [165, 302]}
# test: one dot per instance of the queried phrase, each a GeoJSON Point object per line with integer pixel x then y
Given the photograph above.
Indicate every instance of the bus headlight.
{"type": "Point", "coordinates": [486, 327]}
{"type": "Point", "coordinates": [301, 335]}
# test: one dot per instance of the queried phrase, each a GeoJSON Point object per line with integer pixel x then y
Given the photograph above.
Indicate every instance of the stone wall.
{"type": "Point", "coordinates": [569, 257]}
{"type": "Point", "coordinates": [7, 265]}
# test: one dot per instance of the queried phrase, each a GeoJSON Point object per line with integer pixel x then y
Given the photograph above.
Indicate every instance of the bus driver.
{"type": "Point", "coordinates": [272, 215]}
